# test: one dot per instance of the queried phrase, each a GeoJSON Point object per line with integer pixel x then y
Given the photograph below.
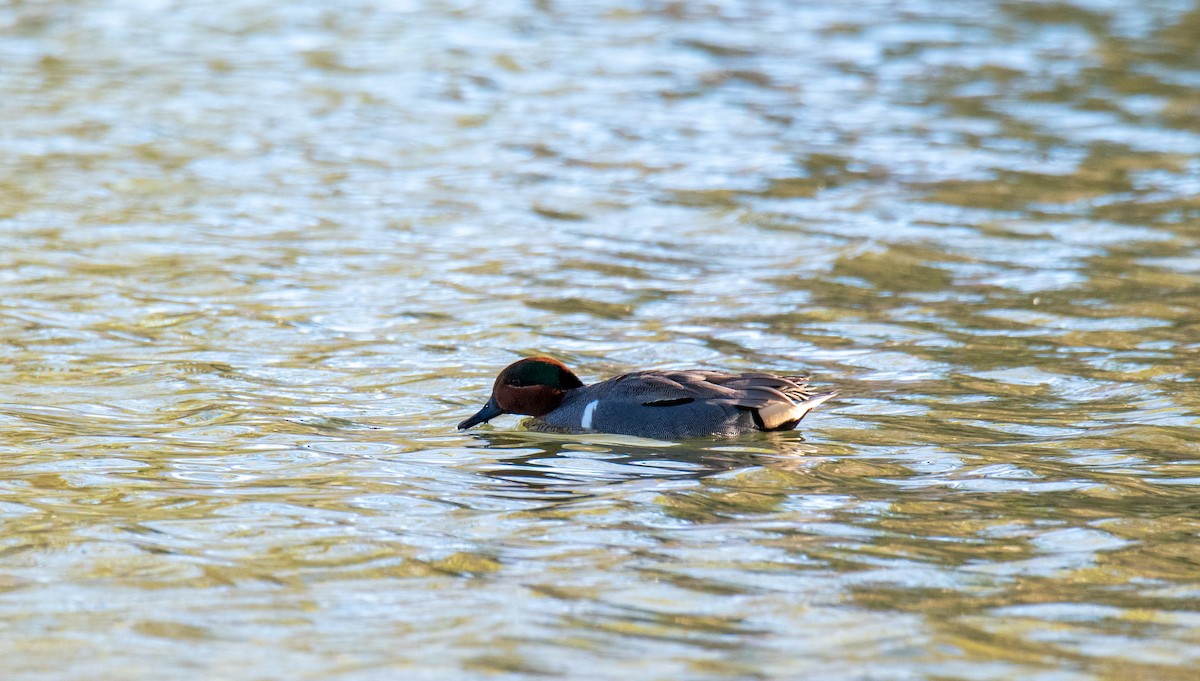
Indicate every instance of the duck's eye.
{"type": "Point", "coordinates": [517, 383]}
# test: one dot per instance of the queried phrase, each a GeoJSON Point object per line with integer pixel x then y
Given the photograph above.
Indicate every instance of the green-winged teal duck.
{"type": "Point", "coordinates": [665, 405]}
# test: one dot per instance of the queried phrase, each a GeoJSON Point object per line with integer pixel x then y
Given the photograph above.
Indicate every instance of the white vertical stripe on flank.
{"type": "Point", "coordinates": [587, 414]}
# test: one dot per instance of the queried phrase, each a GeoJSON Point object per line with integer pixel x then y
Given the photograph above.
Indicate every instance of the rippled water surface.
{"type": "Point", "coordinates": [260, 257]}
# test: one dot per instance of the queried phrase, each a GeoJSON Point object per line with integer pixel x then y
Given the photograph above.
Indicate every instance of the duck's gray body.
{"type": "Point", "coordinates": [673, 405]}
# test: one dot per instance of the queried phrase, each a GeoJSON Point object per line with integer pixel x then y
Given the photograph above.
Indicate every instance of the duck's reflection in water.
{"type": "Point", "coordinates": [573, 466]}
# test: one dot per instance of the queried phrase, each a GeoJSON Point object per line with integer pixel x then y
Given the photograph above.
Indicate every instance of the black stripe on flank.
{"type": "Point", "coordinates": [669, 403]}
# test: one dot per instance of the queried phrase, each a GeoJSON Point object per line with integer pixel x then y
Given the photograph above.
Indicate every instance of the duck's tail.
{"type": "Point", "coordinates": [785, 415]}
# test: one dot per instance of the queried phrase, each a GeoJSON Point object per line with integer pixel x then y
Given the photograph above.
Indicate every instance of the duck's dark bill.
{"type": "Point", "coordinates": [489, 412]}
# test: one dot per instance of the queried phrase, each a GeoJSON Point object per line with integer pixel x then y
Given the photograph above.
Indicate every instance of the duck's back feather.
{"type": "Point", "coordinates": [683, 404]}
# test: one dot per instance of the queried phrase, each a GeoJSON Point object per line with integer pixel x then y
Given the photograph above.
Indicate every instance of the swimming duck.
{"type": "Point", "coordinates": [665, 405]}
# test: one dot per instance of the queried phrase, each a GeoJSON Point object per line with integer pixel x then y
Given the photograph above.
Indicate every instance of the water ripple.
{"type": "Point", "coordinates": [258, 263]}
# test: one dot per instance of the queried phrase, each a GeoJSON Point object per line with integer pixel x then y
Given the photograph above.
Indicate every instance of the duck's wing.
{"type": "Point", "coordinates": [747, 390]}
{"type": "Point", "coordinates": [777, 402]}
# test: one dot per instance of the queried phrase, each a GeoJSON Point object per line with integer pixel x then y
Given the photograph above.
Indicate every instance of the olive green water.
{"type": "Point", "coordinates": [259, 258]}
